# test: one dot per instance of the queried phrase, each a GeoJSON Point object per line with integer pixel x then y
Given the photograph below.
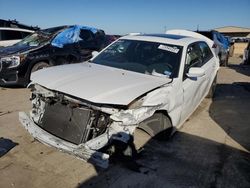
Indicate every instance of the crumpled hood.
{"type": "Point", "coordinates": [97, 83]}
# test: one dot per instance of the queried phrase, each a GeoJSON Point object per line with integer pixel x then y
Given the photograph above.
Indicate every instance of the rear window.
{"type": "Point", "coordinates": [206, 34]}
{"type": "Point", "coordinates": [25, 34]}
{"type": "Point", "coordinates": [206, 52]}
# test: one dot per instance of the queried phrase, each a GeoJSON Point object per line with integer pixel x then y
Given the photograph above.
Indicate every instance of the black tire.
{"type": "Point", "coordinates": [220, 61]}
{"type": "Point", "coordinates": [231, 51]}
{"type": "Point", "coordinates": [226, 61]}
{"type": "Point", "coordinates": [211, 92]}
{"type": "Point", "coordinates": [158, 126]}
{"type": "Point", "coordinates": [38, 66]}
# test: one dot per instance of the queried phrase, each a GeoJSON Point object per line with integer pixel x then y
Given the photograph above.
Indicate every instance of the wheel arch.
{"type": "Point", "coordinates": [165, 112]}
{"type": "Point", "coordinates": [153, 131]}
{"type": "Point", "coordinates": [32, 64]}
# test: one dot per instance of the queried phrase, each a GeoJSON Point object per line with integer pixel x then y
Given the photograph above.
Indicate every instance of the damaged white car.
{"type": "Point", "coordinates": [153, 82]}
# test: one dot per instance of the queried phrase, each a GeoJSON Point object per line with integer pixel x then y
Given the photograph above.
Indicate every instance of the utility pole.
{"type": "Point", "coordinates": [197, 27]}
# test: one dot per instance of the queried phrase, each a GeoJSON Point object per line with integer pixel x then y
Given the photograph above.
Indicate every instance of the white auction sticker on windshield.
{"type": "Point", "coordinates": [168, 48]}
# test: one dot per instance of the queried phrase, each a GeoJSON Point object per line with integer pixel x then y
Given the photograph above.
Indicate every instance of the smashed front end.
{"type": "Point", "coordinates": [73, 125]}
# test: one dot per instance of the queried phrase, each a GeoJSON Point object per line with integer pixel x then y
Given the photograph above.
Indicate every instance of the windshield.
{"type": "Point", "coordinates": [35, 39]}
{"type": "Point", "coordinates": [143, 57]}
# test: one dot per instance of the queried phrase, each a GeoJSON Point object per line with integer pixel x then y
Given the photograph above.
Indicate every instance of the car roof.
{"type": "Point", "coordinates": [163, 38]}
{"type": "Point", "coordinates": [57, 29]}
{"type": "Point", "coordinates": [208, 31]}
{"type": "Point", "coordinates": [16, 29]}
{"type": "Point", "coordinates": [53, 30]}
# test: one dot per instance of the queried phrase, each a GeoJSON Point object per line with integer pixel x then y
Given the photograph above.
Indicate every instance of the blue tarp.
{"type": "Point", "coordinates": [70, 35]}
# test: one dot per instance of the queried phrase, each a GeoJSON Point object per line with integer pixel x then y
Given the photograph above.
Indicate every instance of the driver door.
{"type": "Point", "coordinates": [192, 87]}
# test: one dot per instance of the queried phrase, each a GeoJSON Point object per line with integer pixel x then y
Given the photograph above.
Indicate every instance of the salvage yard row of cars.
{"type": "Point", "coordinates": [48, 47]}
{"type": "Point", "coordinates": [151, 82]}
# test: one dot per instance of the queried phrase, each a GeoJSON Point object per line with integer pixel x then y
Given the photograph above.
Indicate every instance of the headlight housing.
{"type": "Point", "coordinates": [11, 61]}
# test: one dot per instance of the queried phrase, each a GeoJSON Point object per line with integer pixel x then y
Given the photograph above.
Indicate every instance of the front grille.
{"type": "Point", "coordinates": [66, 122]}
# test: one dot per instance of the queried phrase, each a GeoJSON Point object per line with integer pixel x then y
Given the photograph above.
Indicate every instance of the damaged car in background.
{"type": "Point", "coordinates": [151, 82]}
{"type": "Point", "coordinates": [219, 43]}
{"type": "Point", "coordinates": [48, 47]}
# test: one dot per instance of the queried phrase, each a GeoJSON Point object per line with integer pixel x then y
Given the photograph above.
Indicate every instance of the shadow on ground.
{"type": "Point", "coordinates": [183, 161]}
{"type": "Point", "coordinates": [11, 87]}
{"type": "Point", "coordinates": [231, 111]}
{"type": "Point", "coordinates": [242, 69]}
{"type": "Point", "coordinates": [191, 161]}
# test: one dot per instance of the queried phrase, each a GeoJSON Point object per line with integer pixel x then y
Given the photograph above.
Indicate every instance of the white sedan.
{"type": "Point", "coordinates": [150, 81]}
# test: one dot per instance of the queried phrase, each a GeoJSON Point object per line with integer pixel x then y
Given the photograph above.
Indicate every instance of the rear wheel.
{"type": "Point", "coordinates": [226, 61]}
{"type": "Point", "coordinates": [220, 61]}
{"type": "Point", "coordinates": [212, 88]}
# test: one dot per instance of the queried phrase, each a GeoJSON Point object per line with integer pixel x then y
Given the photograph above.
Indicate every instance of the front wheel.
{"type": "Point", "coordinates": [38, 66]}
{"type": "Point", "coordinates": [158, 126]}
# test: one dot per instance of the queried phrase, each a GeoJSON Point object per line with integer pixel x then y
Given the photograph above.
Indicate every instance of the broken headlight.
{"type": "Point", "coordinates": [12, 61]}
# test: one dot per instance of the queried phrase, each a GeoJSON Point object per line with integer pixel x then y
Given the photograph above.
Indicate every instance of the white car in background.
{"type": "Point", "coordinates": [149, 81]}
{"type": "Point", "coordinates": [10, 36]}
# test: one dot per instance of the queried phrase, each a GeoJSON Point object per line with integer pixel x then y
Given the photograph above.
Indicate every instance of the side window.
{"type": "Point", "coordinates": [25, 34]}
{"type": "Point", "coordinates": [194, 58]}
{"type": "Point", "coordinates": [1, 35]}
{"type": "Point", "coordinates": [11, 35]}
{"type": "Point", "coordinates": [206, 52]}
{"type": "Point", "coordinates": [86, 35]}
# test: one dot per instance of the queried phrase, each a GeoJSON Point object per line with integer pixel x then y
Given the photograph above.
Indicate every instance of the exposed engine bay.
{"type": "Point", "coordinates": [73, 126]}
{"type": "Point", "coordinates": [70, 121]}
{"type": "Point", "coordinates": [68, 118]}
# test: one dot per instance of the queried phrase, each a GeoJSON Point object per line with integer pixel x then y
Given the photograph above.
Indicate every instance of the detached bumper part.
{"type": "Point", "coordinates": [81, 151]}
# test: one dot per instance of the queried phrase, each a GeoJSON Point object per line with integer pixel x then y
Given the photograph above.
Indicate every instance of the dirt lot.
{"type": "Point", "coordinates": [211, 149]}
{"type": "Point", "coordinates": [239, 48]}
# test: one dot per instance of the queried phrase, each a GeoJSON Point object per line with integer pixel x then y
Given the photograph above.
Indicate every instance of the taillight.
{"type": "Point", "coordinates": [214, 45]}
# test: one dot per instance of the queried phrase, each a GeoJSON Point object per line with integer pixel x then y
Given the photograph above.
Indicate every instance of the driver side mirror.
{"type": "Point", "coordinates": [195, 72]}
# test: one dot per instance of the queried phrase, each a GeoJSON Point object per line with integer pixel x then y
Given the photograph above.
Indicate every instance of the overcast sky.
{"type": "Point", "coordinates": [121, 17]}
